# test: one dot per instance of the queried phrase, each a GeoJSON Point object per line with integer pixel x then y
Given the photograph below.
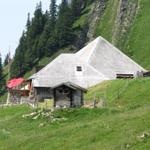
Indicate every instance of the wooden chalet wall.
{"type": "Point", "coordinates": [67, 97]}
{"type": "Point", "coordinates": [39, 94]}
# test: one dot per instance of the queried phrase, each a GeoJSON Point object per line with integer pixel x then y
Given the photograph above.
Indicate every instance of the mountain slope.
{"type": "Point", "coordinates": [126, 24]}
{"type": "Point", "coordinates": [139, 37]}
{"type": "Point", "coordinates": [122, 22]}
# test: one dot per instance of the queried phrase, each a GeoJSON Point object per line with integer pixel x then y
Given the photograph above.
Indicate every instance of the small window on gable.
{"type": "Point", "coordinates": [79, 68]}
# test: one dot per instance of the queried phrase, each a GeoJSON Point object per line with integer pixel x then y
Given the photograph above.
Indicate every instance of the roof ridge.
{"type": "Point", "coordinates": [88, 49]}
{"type": "Point", "coordinates": [94, 48]}
{"type": "Point", "coordinates": [97, 71]}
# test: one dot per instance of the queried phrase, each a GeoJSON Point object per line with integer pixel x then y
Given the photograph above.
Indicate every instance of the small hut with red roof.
{"type": "Point", "coordinates": [18, 90]}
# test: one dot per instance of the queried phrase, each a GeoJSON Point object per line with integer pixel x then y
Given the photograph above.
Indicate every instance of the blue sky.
{"type": "Point", "coordinates": [13, 16]}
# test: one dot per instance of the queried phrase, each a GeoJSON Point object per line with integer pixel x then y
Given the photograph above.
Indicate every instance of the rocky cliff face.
{"type": "Point", "coordinates": [126, 14]}
{"type": "Point", "coordinates": [97, 11]}
{"type": "Point", "coordinates": [87, 30]}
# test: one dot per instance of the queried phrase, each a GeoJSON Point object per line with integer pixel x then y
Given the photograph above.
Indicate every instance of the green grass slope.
{"type": "Point", "coordinates": [122, 93]}
{"type": "Point", "coordinates": [123, 124]}
{"type": "Point", "coordinates": [107, 22]}
{"type": "Point", "coordinates": [139, 37]}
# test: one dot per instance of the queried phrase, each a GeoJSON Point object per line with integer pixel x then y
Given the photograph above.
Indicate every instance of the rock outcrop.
{"type": "Point", "coordinates": [126, 13]}
{"type": "Point", "coordinates": [96, 13]}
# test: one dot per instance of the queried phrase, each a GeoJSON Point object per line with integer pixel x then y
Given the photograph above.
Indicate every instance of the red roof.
{"type": "Point", "coordinates": [15, 82]}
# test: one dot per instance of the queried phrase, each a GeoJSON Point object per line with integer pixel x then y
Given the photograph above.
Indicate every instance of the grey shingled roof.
{"type": "Point", "coordinates": [99, 60]}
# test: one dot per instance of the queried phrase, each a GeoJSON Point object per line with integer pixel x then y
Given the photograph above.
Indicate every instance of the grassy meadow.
{"type": "Point", "coordinates": [124, 123]}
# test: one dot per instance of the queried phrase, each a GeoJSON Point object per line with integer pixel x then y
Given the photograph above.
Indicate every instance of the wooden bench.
{"type": "Point", "coordinates": [124, 76]}
{"type": "Point", "coordinates": [146, 74]}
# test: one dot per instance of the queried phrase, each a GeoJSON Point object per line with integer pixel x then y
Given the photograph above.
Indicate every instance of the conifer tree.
{"type": "Point", "coordinates": [33, 52]}
{"type": "Point", "coordinates": [1, 68]}
{"type": "Point", "coordinates": [53, 13]}
{"type": "Point", "coordinates": [51, 44]}
{"type": "Point", "coordinates": [76, 7]}
{"type": "Point", "coordinates": [28, 22]}
{"type": "Point", "coordinates": [47, 40]}
{"type": "Point", "coordinates": [6, 61]}
{"type": "Point", "coordinates": [18, 66]}
{"type": "Point", "coordinates": [27, 51]}
{"type": "Point", "coordinates": [64, 29]}
{"type": "Point", "coordinates": [2, 81]}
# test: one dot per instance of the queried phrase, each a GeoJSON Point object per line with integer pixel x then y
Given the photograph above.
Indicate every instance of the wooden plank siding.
{"type": "Point", "coordinates": [146, 74]}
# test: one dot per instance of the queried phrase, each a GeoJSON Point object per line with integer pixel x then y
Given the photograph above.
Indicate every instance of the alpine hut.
{"type": "Point", "coordinates": [96, 62]}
